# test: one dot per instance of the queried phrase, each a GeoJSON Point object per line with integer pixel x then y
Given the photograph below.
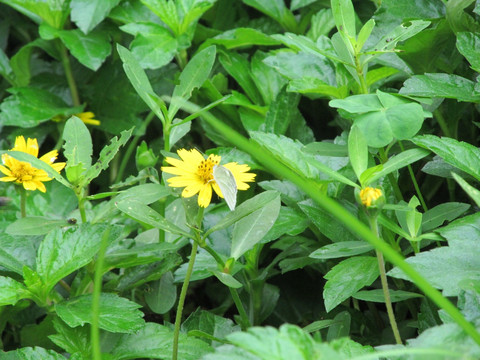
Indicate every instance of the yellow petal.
{"type": "Point", "coordinates": [32, 147]}
{"type": "Point", "coordinates": [30, 185]}
{"type": "Point", "coordinates": [20, 144]}
{"type": "Point", "coordinates": [205, 196]}
{"type": "Point", "coordinates": [192, 157]}
{"type": "Point", "coordinates": [50, 157]}
{"type": "Point", "coordinates": [8, 178]}
{"type": "Point", "coordinates": [6, 171]}
{"type": "Point", "coordinates": [181, 181]}
{"type": "Point", "coordinates": [59, 166]}
{"type": "Point", "coordinates": [175, 170]}
{"type": "Point", "coordinates": [191, 190]}
{"type": "Point", "coordinates": [217, 189]}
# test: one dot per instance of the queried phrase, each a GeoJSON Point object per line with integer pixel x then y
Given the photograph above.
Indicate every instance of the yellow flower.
{"type": "Point", "coordinates": [195, 174]}
{"type": "Point", "coordinates": [88, 118]}
{"type": "Point", "coordinates": [22, 172]}
{"type": "Point", "coordinates": [369, 195]}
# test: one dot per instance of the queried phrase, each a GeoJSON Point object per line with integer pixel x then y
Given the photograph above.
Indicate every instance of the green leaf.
{"type": "Point", "coordinates": [326, 148]}
{"type": "Point", "coordinates": [441, 85]}
{"type": "Point", "coordinates": [162, 295]}
{"type": "Point", "coordinates": [287, 342]}
{"type": "Point", "coordinates": [393, 164]}
{"type": "Point", "coordinates": [448, 211]}
{"type": "Point", "coordinates": [87, 14]}
{"type": "Point", "coordinates": [468, 44]}
{"type": "Point", "coordinates": [326, 223]}
{"type": "Point", "coordinates": [34, 225]}
{"type": "Point", "coordinates": [344, 16]}
{"type": "Point", "coordinates": [341, 249]}
{"type": "Point", "coordinates": [357, 151]}
{"type": "Point", "coordinates": [35, 353]}
{"type": "Point", "coordinates": [145, 193]}
{"type": "Point", "coordinates": [244, 209]}
{"type": "Point", "coordinates": [53, 12]}
{"type": "Point", "coordinates": [281, 113]}
{"type": "Point", "coordinates": [205, 322]}
{"type": "Point", "coordinates": [239, 68]}
{"type": "Point", "coordinates": [90, 50]}
{"type": "Point", "coordinates": [146, 215]}
{"type": "Point", "coordinates": [289, 221]}
{"type": "Point", "coordinates": [71, 339]}
{"type": "Point", "coordinates": [249, 230]}
{"type": "Point", "coordinates": [153, 46]}
{"type": "Point", "coordinates": [140, 82]}
{"type": "Point", "coordinates": [11, 291]}
{"type": "Point", "coordinates": [446, 267]}
{"type": "Point", "coordinates": [268, 81]}
{"type": "Point", "coordinates": [241, 37]}
{"type": "Point", "coordinates": [17, 252]}
{"type": "Point", "coordinates": [167, 12]}
{"type": "Point", "coordinates": [117, 314]}
{"type": "Point", "coordinates": [38, 164]}
{"type": "Point", "coordinates": [106, 155]}
{"type": "Point", "coordinates": [20, 65]}
{"type": "Point", "coordinates": [155, 341]}
{"type": "Point", "coordinates": [377, 295]}
{"type": "Point", "coordinates": [61, 253]}
{"type": "Point", "coordinates": [29, 106]}
{"type": "Point", "coordinates": [192, 77]}
{"type": "Point", "coordinates": [364, 34]}
{"type": "Point", "coordinates": [347, 277]}
{"type": "Point", "coordinates": [469, 189]}
{"type": "Point", "coordinates": [78, 144]}
{"type": "Point", "coordinates": [227, 279]}
{"type": "Point", "coordinates": [277, 10]}
{"type": "Point", "coordinates": [462, 155]}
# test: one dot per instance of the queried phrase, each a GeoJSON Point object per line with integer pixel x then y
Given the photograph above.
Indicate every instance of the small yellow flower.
{"type": "Point", "coordinates": [22, 172]}
{"type": "Point", "coordinates": [88, 118]}
{"type": "Point", "coordinates": [195, 174]}
{"type": "Point", "coordinates": [369, 195]}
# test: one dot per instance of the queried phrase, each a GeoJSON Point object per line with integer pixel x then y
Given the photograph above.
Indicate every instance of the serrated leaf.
{"type": "Point", "coordinates": [441, 85]}
{"type": "Point", "coordinates": [347, 277]}
{"type": "Point", "coordinates": [445, 267]}
{"type": "Point", "coordinates": [17, 252]}
{"type": "Point", "coordinates": [35, 353]}
{"type": "Point", "coordinates": [462, 155]}
{"type": "Point", "coordinates": [156, 341]}
{"type": "Point", "coordinates": [106, 155]}
{"type": "Point", "coordinates": [61, 253]}
{"type": "Point", "coordinates": [468, 44]}
{"type": "Point", "coordinates": [117, 314]}
{"type": "Point", "coordinates": [78, 143]}
{"type": "Point", "coordinates": [11, 291]}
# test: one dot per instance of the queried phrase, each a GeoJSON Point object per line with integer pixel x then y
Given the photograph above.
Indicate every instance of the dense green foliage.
{"type": "Point", "coordinates": [358, 239]}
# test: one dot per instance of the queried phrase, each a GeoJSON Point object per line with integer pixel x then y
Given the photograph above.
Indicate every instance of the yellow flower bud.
{"type": "Point", "coordinates": [370, 195]}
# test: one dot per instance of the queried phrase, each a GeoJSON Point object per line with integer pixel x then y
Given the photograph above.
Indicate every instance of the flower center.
{"type": "Point", "coordinates": [22, 171]}
{"type": "Point", "coordinates": [205, 169]}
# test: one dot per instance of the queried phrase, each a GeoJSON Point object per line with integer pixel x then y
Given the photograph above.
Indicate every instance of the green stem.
{"type": "Point", "coordinates": [97, 290]}
{"type": "Point", "coordinates": [23, 201]}
{"type": "Point", "coordinates": [363, 82]}
{"type": "Point", "coordinates": [81, 208]}
{"type": "Point", "coordinates": [415, 183]}
{"type": "Point", "coordinates": [181, 300]}
{"type": "Point", "coordinates": [391, 178]}
{"type": "Point", "coordinates": [383, 278]}
{"type": "Point", "coordinates": [442, 123]}
{"type": "Point", "coordinates": [69, 75]}
{"type": "Point", "coordinates": [310, 187]}
{"type": "Point", "coordinates": [245, 322]}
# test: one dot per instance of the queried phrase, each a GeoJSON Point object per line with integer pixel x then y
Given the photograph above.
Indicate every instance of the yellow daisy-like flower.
{"type": "Point", "coordinates": [22, 172]}
{"type": "Point", "coordinates": [88, 118]}
{"type": "Point", "coordinates": [369, 195]}
{"type": "Point", "coordinates": [195, 174]}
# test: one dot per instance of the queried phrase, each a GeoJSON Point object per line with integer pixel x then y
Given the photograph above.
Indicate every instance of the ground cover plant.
{"type": "Point", "coordinates": [220, 179]}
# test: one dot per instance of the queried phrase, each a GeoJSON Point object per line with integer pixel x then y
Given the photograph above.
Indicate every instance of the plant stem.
{"type": "Point", "coordinates": [310, 187]}
{"type": "Point", "coordinates": [442, 123]}
{"type": "Point", "coordinates": [383, 278]}
{"type": "Point", "coordinates": [97, 289]}
{"type": "Point", "coordinates": [81, 206]}
{"type": "Point", "coordinates": [415, 183]}
{"type": "Point", "coordinates": [69, 75]}
{"type": "Point", "coordinates": [23, 201]}
{"type": "Point", "coordinates": [245, 324]}
{"type": "Point", "coordinates": [181, 300]}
